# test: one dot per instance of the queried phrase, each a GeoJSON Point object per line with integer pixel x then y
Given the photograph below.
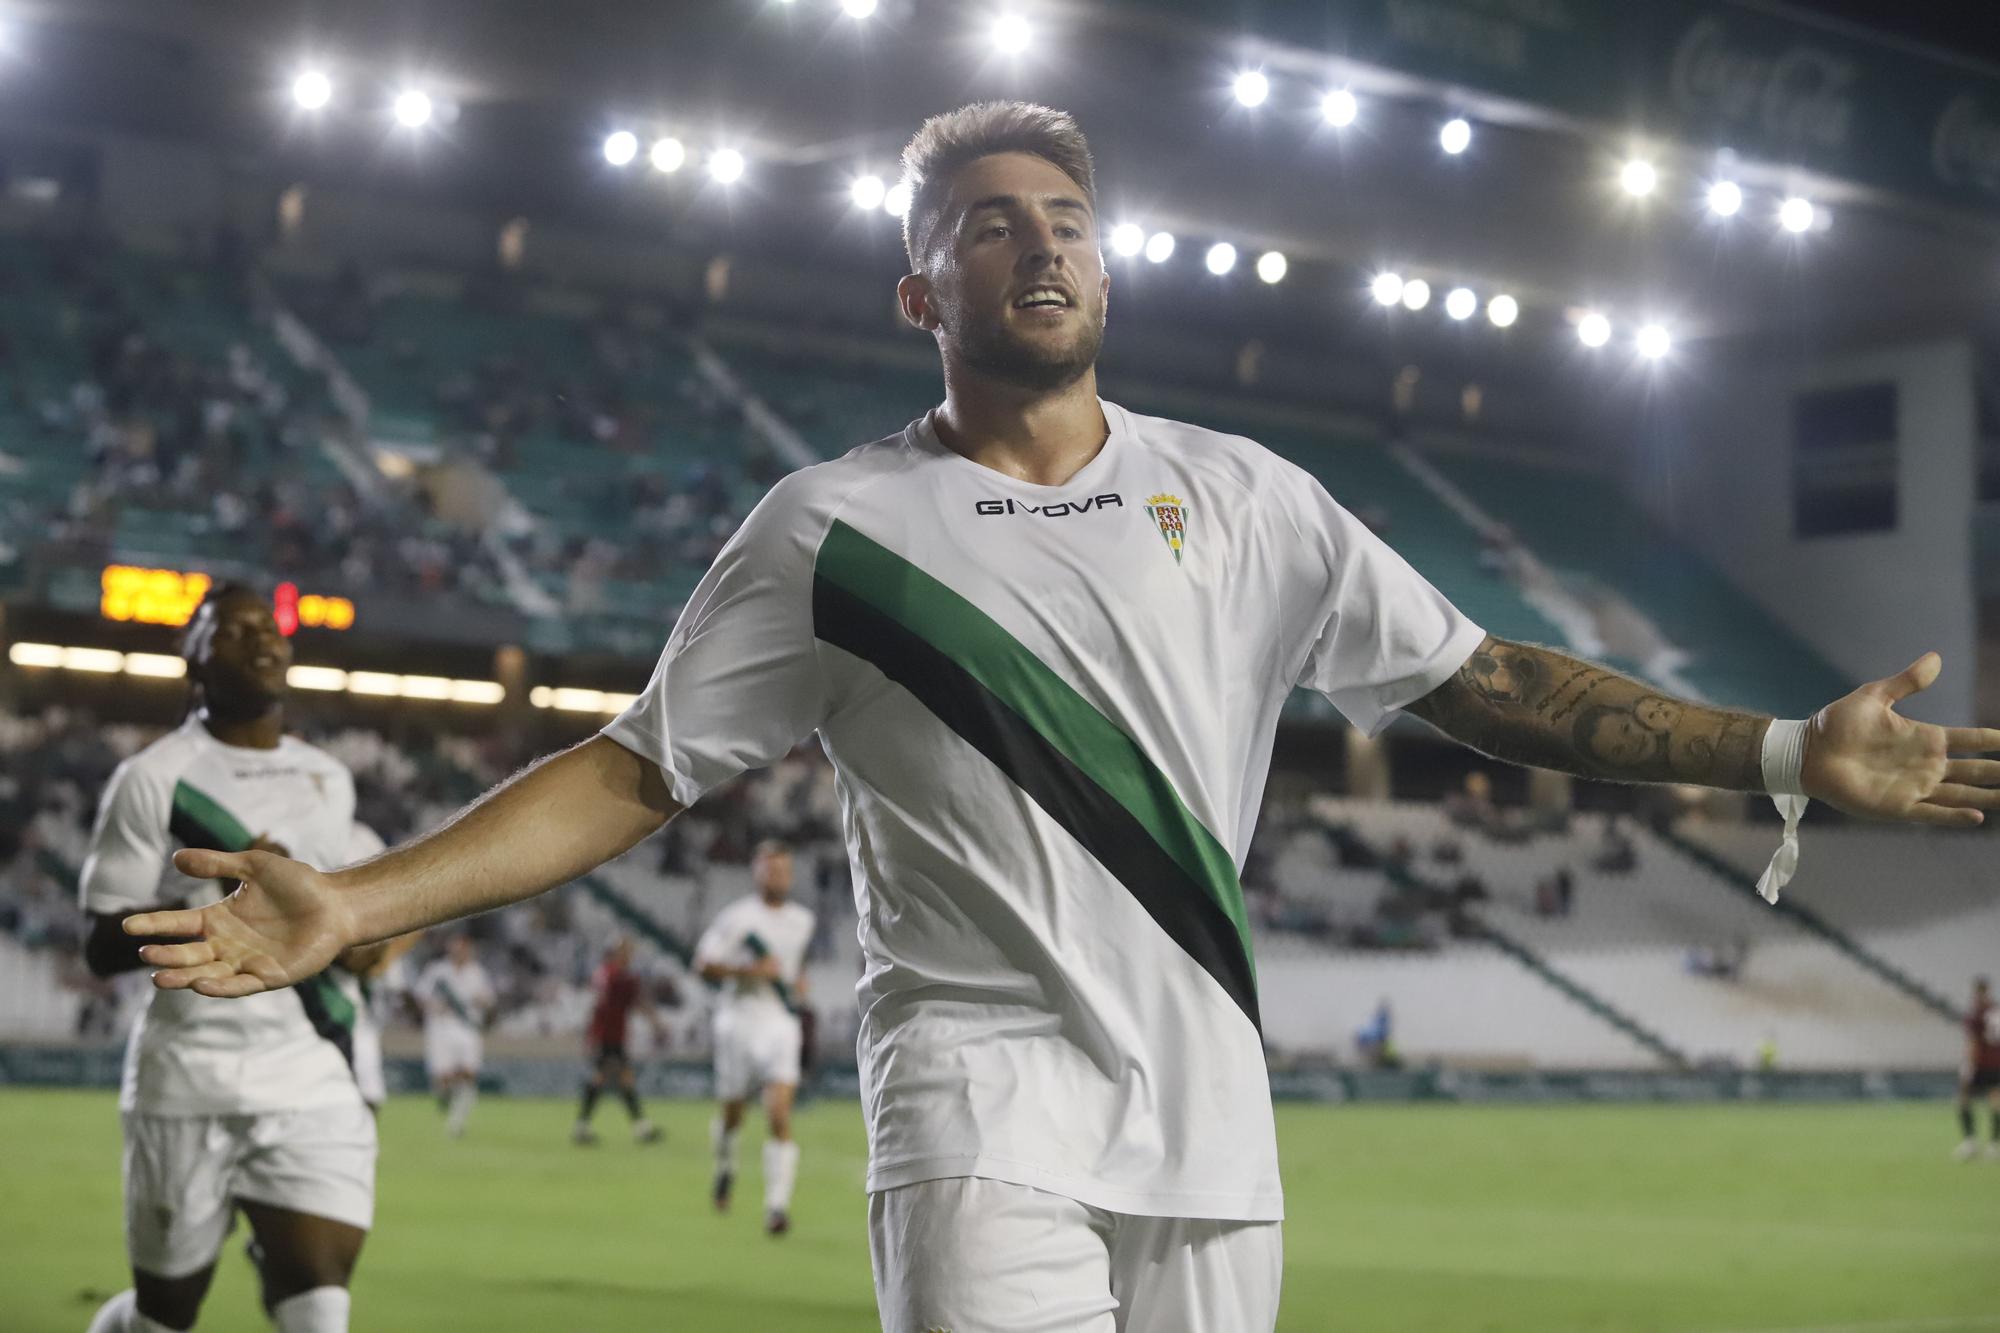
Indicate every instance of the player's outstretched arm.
{"type": "Point", "coordinates": [287, 921]}
{"type": "Point", "coordinates": [1533, 705]}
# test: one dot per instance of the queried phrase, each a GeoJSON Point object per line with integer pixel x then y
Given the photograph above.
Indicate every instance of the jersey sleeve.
{"type": "Point", "coordinates": [738, 684]}
{"type": "Point", "coordinates": [129, 844]}
{"type": "Point", "coordinates": [1380, 636]}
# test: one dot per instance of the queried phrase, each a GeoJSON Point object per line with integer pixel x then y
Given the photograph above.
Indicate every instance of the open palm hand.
{"type": "Point", "coordinates": [1865, 758]}
{"type": "Point", "coordinates": [283, 923]}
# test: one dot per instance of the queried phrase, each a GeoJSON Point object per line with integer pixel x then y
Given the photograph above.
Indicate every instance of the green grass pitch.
{"type": "Point", "coordinates": [1717, 1219]}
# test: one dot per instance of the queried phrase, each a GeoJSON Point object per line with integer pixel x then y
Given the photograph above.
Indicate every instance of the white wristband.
{"type": "Point", "coordinates": [1784, 762]}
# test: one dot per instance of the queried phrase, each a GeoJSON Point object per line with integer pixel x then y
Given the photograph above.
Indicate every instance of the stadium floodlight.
{"type": "Point", "coordinates": [1795, 215]}
{"type": "Point", "coordinates": [1593, 330]}
{"type": "Point", "coordinates": [867, 192]}
{"type": "Point", "coordinates": [424, 687]}
{"type": "Point", "coordinates": [1725, 198]}
{"type": "Point", "coordinates": [384, 683]}
{"type": "Point", "coordinates": [620, 147]}
{"type": "Point", "coordinates": [1128, 239]}
{"type": "Point", "coordinates": [1251, 87]}
{"type": "Point", "coordinates": [1339, 108]}
{"type": "Point", "coordinates": [1221, 258]}
{"type": "Point", "coordinates": [1386, 288]}
{"type": "Point", "coordinates": [477, 692]}
{"type": "Point", "coordinates": [1503, 310]}
{"type": "Point", "coordinates": [1459, 303]}
{"type": "Point", "coordinates": [1455, 136]}
{"type": "Point", "coordinates": [1011, 34]}
{"type": "Point", "coordinates": [412, 108]}
{"type": "Point", "coordinates": [1159, 246]}
{"type": "Point", "coordinates": [668, 155]}
{"type": "Point", "coordinates": [35, 654]}
{"type": "Point", "coordinates": [1271, 266]}
{"type": "Point", "coordinates": [160, 666]}
{"type": "Point", "coordinates": [1653, 342]}
{"type": "Point", "coordinates": [1416, 294]}
{"type": "Point", "coordinates": [97, 660]}
{"type": "Point", "coordinates": [315, 678]}
{"type": "Point", "coordinates": [1638, 177]}
{"type": "Point", "coordinates": [572, 700]}
{"type": "Point", "coordinates": [896, 199]}
{"type": "Point", "coordinates": [725, 165]}
{"type": "Point", "coordinates": [312, 89]}
{"type": "Point", "coordinates": [857, 9]}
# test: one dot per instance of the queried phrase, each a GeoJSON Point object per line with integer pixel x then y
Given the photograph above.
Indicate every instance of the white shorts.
{"type": "Point", "coordinates": [754, 1050]}
{"type": "Point", "coordinates": [451, 1047]}
{"type": "Point", "coordinates": [969, 1254]}
{"type": "Point", "coordinates": [184, 1174]}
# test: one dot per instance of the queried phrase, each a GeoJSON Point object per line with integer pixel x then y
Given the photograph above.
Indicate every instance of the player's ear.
{"type": "Point", "coordinates": [913, 298]}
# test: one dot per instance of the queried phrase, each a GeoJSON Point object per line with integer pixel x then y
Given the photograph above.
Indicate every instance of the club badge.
{"type": "Point", "coordinates": [1169, 513]}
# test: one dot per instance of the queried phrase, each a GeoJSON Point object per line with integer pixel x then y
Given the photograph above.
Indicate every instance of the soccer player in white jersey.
{"type": "Point", "coordinates": [755, 952]}
{"type": "Point", "coordinates": [1044, 641]}
{"type": "Point", "coordinates": [457, 998]}
{"type": "Point", "coordinates": [224, 1107]}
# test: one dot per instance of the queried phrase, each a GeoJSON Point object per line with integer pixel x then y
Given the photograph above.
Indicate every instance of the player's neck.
{"type": "Point", "coordinates": [258, 731]}
{"type": "Point", "coordinates": [1040, 437]}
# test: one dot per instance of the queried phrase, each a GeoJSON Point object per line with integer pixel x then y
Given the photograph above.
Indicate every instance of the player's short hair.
{"type": "Point", "coordinates": [217, 594]}
{"type": "Point", "coordinates": [949, 141]}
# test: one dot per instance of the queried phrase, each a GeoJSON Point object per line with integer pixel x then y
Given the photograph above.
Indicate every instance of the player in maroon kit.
{"type": "Point", "coordinates": [619, 992]}
{"type": "Point", "coordinates": [1981, 1072]}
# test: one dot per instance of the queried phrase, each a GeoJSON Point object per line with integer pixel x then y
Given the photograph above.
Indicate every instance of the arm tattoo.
{"type": "Point", "coordinates": [1531, 705]}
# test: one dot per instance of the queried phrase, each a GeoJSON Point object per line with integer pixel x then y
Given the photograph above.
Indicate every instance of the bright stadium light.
{"type": "Point", "coordinates": [1503, 310]}
{"type": "Point", "coordinates": [1271, 266]}
{"type": "Point", "coordinates": [1221, 258]}
{"type": "Point", "coordinates": [1159, 246]}
{"type": "Point", "coordinates": [1593, 330]}
{"type": "Point", "coordinates": [1725, 199]}
{"type": "Point", "coordinates": [312, 89]}
{"type": "Point", "coordinates": [1653, 342]}
{"type": "Point", "coordinates": [896, 199]}
{"type": "Point", "coordinates": [726, 165]}
{"type": "Point", "coordinates": [161, 666]}
{"type": "Point", "coordinates": [1795, 215]}
{"type": "Point", "coordinates": [668, 155]}
{"type": "Point", "coordinates": [412, 108]}
{"type": "Point", "coordinates": [867, 192]}
{"type": "Point", "coordinates": [1128, 239]}
{"type": "Point", "coordinates": [1416, 294]}
{"type": "Point", "coordinates": [1638, 177]}
{"type": "Point", "coordinates": [620, 147]}
{"type": "Point", "coordinates": [1386, 288]}
{"type": "Point", "coordinates": [1459, 303]}
{"type": "Point", "coordinates": [1339, 108]}
{"type": "Point", "coordinates": [1011, 34]}
{"type": "Point", "coordinates": [1251, 87]}
{"type": "Point", "coordinates": [1455, 136]}
{"type": "Point", "coordinates": [857, 9]}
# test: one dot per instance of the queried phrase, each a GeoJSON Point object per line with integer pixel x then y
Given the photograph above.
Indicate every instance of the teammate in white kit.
{"type": "Point", "coordinates": [755, 951]}
{"type": "Point", "coordinates": [458, 999]}
{"type": "Point", "coordinates": [1044, 641]}
{"type": "Point", "coordinates": [225, 1107]}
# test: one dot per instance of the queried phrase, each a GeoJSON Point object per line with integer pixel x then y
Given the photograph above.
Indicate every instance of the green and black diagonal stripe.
{"type": "Point", "coordinates": [760, 950]}
{"type": "Point", "coordinates": [1075, 763]}
{"type": "Point", "coordinates": [199, 820]}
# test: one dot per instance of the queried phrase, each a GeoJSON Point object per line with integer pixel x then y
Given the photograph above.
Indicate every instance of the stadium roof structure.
{"type": "Point", "coordinates": [1898, 145]}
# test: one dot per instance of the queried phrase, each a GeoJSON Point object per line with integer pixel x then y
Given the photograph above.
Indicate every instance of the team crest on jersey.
{"type": "Point", "coordinates": [1169, 514]}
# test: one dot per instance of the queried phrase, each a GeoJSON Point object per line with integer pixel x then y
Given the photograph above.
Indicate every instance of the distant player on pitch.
{"type": "Point", "coordinates": [257, 1108]}
{"type": "Point", "coordinates": [620, 992]}
{"type": "Point", "coordinates": [1981, 1072]}
{"type": "Point", "coordinates": [755, 950]}
{"type": "Point", "coordinates": [458, 1000]}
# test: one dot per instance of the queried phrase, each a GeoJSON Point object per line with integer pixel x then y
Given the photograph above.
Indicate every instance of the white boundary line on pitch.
{"type": "Point", "coordinates": [1939, 1324]}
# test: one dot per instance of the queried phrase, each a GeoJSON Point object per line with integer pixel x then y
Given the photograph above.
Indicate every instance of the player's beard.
{"type": "Point", "coordinates": [994, 350]}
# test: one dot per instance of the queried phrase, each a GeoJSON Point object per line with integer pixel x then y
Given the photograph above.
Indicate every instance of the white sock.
{"type": "Point", "coordinates": [121, 1314]}
{"type": "Point", "coordinates": [725, 1145]}
{"type": "Point", "coordinates": [463, 1095]}
{"type": "Point", "coordinates": [781, 1168]}
{"type": "Point", "coordinates": [321, 1310]}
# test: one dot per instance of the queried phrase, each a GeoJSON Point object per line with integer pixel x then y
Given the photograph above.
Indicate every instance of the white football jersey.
{"type": "Point", "coordinates": [189, 1054]}
{"type": "Point", "coordinates": [1050, 711]}
{"type": "Point", "coordinates": [454, 994]}
{"type": "Point", "coordinates": [367, 1038]}
{"type": "Point", "coordinates": [746, 931]}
